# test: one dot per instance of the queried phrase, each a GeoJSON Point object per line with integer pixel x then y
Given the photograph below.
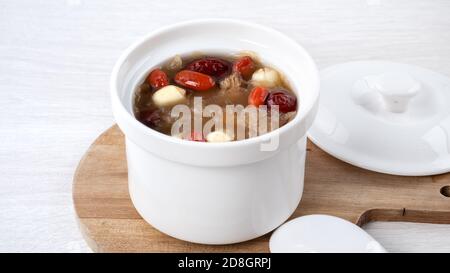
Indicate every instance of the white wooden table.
{"type": "Point", "coordinates": [55, 61]}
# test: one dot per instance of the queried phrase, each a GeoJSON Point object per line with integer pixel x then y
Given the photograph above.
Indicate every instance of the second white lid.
{"type": "Point", "coordinates": [319, 233]}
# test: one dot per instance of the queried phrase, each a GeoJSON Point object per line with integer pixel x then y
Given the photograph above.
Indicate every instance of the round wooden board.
{"type": "Point", "coordinates": [110, 223]}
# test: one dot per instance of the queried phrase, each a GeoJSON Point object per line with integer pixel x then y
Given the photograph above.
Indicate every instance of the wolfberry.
{"type": "Point", "coordinates": [158, 79]}
{"type": "Point", "coordinates": [194, 80]}
{"type": "Point", "coordinates": [258, 96]}
{"type": "Point", "coordinates": [196, 137]}
{"type": "Point", "coordinates": [245, 66]}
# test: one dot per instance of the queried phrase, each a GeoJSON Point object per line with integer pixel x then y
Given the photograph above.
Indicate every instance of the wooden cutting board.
{"type": "Point", "coordinates": [110, 223]}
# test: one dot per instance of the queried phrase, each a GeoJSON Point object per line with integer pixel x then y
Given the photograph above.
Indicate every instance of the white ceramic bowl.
{"type": "Point", "coordinates": [215, 193]}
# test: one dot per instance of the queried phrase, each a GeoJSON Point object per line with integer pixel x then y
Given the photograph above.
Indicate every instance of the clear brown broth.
{"type": "Point", "coordinates": [143, 94]}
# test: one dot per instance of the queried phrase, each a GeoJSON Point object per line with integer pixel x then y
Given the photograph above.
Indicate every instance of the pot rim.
{"type": "Point", "coordinates": [120, 109]}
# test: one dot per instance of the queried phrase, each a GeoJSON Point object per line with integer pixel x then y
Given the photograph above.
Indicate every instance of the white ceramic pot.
{"type": "Point", "coordinates": [215, 193]}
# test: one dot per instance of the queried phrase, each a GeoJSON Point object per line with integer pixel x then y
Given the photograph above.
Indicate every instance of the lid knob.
{"type": "Point", "coordinates": [396, 89]}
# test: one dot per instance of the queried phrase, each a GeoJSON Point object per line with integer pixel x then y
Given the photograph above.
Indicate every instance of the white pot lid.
{"type": "Point", "coordinates": [386, 117]}
{"type": "Point", "coordinates": [322, 234]}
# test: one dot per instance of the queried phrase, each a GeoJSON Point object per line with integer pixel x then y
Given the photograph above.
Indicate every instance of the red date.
{"type": "Point", "coordinates": [151, 118]}
{"type": "Point", "coordinates": [286, 102]}
{"type": "Point", "coordinates": [214, 67]}
{"type": "Point", "coordinates": [194, 80]}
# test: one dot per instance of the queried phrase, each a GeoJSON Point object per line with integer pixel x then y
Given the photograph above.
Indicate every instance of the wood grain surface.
{"type": "Point", "coordinates": [110, 223]}
{"type": "Point", "coordinates": [56, 57]}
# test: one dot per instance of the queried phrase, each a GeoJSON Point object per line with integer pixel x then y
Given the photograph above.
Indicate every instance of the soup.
{"type": "Point", "coordinates": [231, 97]}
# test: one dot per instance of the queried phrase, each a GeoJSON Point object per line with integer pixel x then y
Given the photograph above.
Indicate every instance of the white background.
{"type": "Point", "coordinates": [55, 61]}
